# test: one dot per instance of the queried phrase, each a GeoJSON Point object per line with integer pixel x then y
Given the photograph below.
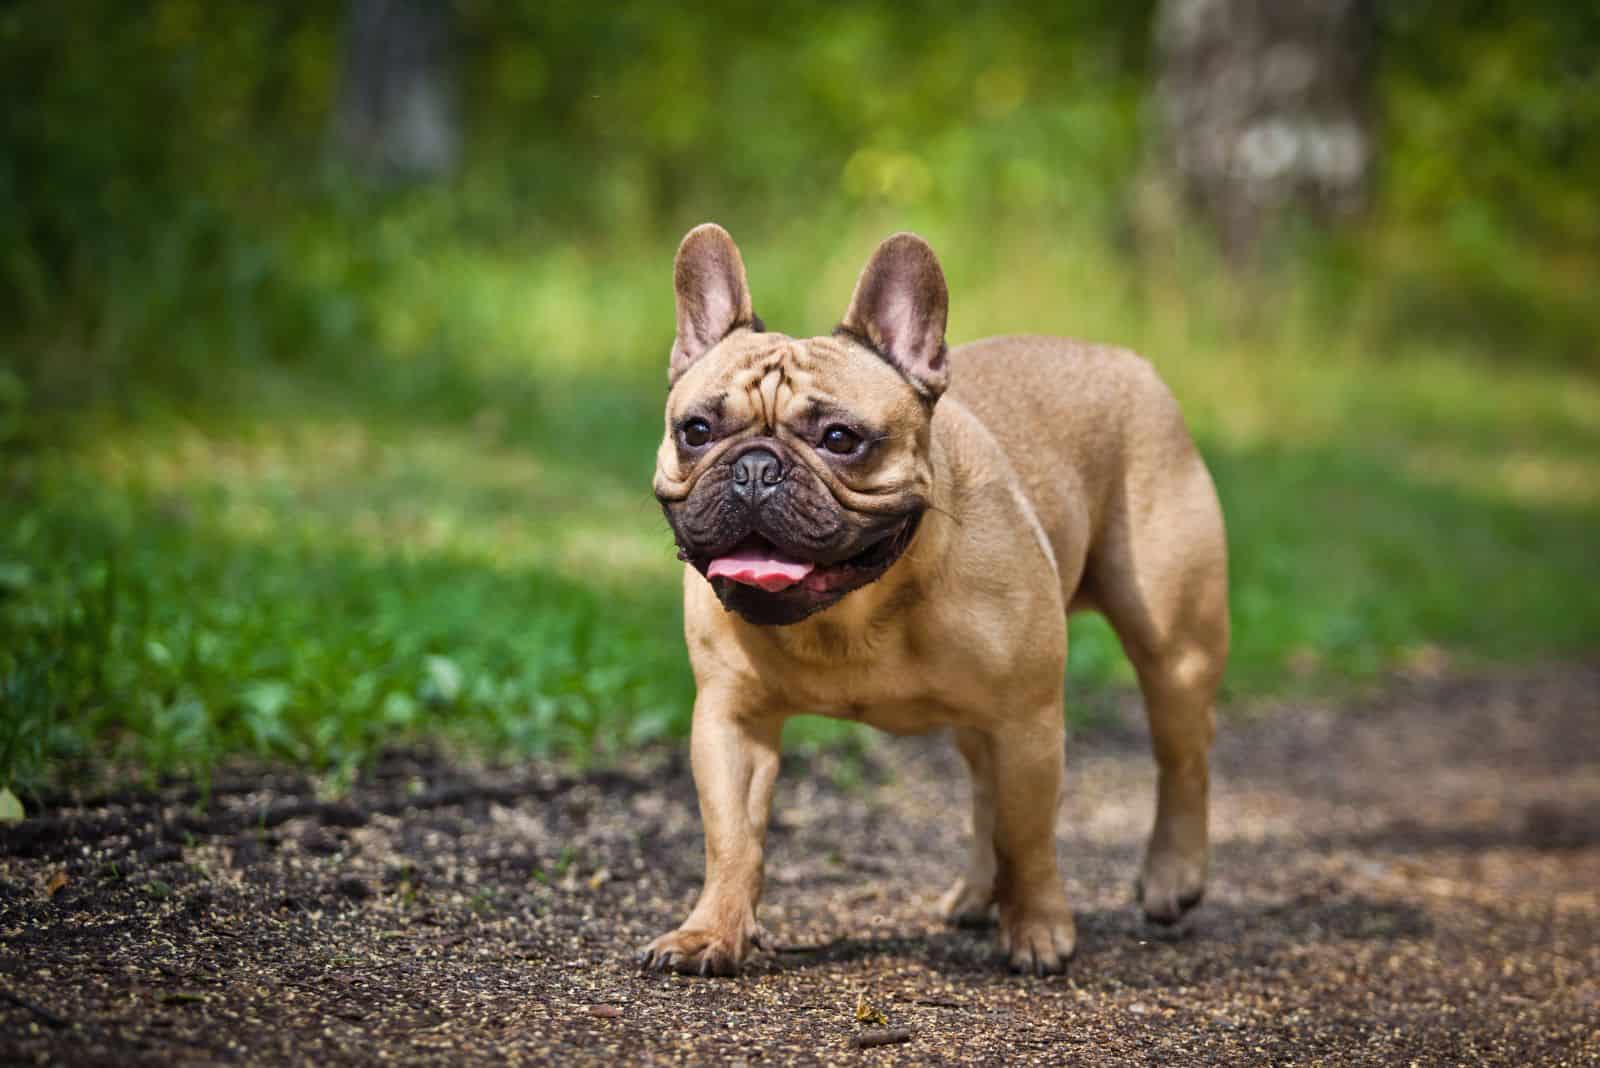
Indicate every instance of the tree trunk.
{"type": "Point", "coordinates": [396, 117]}
{"type": "Point", "coordinates": [1266, 108]}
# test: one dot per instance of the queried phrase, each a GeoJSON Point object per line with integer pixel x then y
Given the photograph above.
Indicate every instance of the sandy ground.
{"type": "Point", "coordinates": [1411, 877]}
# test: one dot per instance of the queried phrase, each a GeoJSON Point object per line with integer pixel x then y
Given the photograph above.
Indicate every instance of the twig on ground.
{"type": "Point", "coordinates": [45, 1016]}
{"type": "Point", "coordinates": [886, 1037]}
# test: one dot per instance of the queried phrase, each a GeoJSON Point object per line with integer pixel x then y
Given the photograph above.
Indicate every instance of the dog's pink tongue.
{"type": "Point", "coordinates": [760, 567]}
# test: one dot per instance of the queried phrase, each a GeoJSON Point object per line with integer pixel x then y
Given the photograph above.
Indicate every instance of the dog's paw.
{"type": "Point", "coordinates": [696, 951]}
{"type": "Point", "coordinates": [1169, 886]}
{"type": "Point", "coordinates": [968, 903]}
{"type": "Point", "coordinates": [1040, 943]}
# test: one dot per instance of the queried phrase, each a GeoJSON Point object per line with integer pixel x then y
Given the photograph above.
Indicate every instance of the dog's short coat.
{"type": "Point", "coordinates": [865, 542]}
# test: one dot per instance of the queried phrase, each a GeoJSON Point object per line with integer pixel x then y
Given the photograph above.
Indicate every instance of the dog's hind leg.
{"type": "Point", "coordinates": [1159, 573]}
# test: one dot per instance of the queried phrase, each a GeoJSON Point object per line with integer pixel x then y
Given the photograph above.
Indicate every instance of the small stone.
{"type": "Point", "coordinates": [354, 888]}
{"type": "Point", "coordinates": [342, 814]}
{"type": "Point", "coordinates": [319, 844]}
{"type": "Point", "coordinates": [163, 853]}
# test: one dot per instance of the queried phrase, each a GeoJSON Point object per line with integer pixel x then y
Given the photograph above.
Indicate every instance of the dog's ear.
{"type": "Point", "coordinates": [713, 296]}
{"type": "Point", "coordinates": [899, 309]}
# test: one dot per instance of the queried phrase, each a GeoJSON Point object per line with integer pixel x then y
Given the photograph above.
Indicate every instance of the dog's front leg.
{"type": "Point", "coordinates": [968, 901]}
{"type": "Point", "coordinates": [1026, 757]}
{"type": "Point", "coordinates": [734, 752]}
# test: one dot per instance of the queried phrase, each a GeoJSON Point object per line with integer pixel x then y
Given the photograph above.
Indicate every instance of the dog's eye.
{"type": "Point", "coordinates": [840, 440]}
{"type": "Point", "coordinates": [696, 432]}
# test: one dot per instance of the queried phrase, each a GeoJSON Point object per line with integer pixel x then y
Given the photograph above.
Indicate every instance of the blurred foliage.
{"type": "Point", "coordinates": [172, 650]}
{"type": "Point", "coordinates": [172, 158]}
{"type": "Point", "coordinates": [170, 203]}
{"type": "Point", "coordinates": [293, 466]}
{"type": "Point", "coordinates": [1489, 224]}
{"type": "Point", "coordinates": [151, 162]}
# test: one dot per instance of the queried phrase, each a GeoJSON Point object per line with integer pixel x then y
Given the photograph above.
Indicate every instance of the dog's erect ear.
{"type": "Point", "coordinates": [899, 309]}
{"type": "Point", "coordinates": [713, 296]}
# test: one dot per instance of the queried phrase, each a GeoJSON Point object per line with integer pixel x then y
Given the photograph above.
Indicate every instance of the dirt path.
{"type": "Point", "coordinates": [1415, 877]}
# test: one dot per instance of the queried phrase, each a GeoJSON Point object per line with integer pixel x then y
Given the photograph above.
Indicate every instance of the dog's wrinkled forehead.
{"type": "Point", "coordinates": [763, 378]}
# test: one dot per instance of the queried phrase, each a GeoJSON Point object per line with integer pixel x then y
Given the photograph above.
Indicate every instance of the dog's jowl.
{"type": "Point", "coordinates": [875, 525]}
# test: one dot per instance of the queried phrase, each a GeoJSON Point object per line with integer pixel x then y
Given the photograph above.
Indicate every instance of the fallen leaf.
{"type": "Point", "coordinates": [866, 1014]}
{"type": "Point", "coordinates": [10, 806]}
{"type": "Point", "coordinates": [605, 1012]}
{"type": "Point", "coordinates": [1425, 661]}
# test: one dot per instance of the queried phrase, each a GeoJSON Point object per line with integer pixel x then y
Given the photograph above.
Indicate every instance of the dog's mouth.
{"type": "Point", "coordinates": [803, 586]}
{"type": "Point", "coordinates": [757, 562]}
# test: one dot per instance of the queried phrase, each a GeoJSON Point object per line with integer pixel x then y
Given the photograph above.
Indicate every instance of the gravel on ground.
{"type": "Point", "coordinates": [1410, 876]}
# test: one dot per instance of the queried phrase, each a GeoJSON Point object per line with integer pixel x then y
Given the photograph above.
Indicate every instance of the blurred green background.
{"type": "Point", "coordinates": [301, 455]}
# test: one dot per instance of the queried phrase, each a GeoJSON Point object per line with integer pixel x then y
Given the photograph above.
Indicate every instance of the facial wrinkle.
{"type": "Point", "coordinates": [772, 389]}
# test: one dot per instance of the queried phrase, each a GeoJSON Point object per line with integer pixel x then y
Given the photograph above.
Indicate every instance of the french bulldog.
{"type": "Point", "coordinates": [878, 528]}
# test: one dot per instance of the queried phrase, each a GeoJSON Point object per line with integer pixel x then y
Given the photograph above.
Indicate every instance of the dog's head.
{"type": "Point", "coordinates": [795, 470]}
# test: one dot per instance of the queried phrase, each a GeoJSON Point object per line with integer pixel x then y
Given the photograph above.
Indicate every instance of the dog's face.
{"type": "Point", "coordinates": [794, 471]}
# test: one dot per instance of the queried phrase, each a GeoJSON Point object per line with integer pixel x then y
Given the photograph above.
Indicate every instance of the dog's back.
{"type": "Point", "coordinates": [1100, 447]}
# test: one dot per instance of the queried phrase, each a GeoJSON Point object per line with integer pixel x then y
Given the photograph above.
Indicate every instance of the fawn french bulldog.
{"type": "Point", "coordinates": [878, 528]}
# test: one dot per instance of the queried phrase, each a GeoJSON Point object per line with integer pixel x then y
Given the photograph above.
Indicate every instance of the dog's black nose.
{"type": "Point", "coordinates": [756, 472]}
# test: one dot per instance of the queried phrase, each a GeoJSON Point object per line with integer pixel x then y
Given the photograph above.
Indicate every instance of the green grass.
{"type": "Point", "coordinates": [449, 533]}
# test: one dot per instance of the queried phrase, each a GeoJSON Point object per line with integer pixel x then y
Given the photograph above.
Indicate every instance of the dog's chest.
{"type": "Point", "coordinates": [890, 701]}
{"type": "Point", "coordinates": [888, 685]}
